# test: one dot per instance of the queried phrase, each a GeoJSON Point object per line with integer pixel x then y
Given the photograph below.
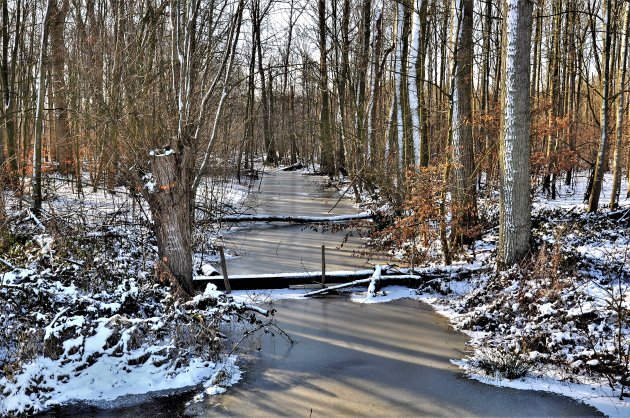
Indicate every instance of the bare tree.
{"type": "Point", "coordinates": [176, 169]}
{"type": "Point", "coordinates": [621, 101]}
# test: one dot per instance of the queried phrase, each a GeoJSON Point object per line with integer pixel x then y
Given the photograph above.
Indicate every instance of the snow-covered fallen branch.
{"type": "Point", "coordinates": [35, 219]}
{"type": "Point", "coordinates": [6, 263]}
{"type": "Point", "coordinates": [337, 287]}
{"type": "Point", "coordinates": [382, 274]}
{"type": "Point", "coordinates": [297, 219]}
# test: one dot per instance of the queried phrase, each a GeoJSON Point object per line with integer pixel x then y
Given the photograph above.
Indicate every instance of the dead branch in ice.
{"type": "Point", "coordinates": [324, 291]}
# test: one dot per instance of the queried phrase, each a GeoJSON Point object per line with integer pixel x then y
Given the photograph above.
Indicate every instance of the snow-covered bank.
{"type": "Point", "coordinates": [85, 316]}
{"type": "Point", "coordinates": [65, 343]}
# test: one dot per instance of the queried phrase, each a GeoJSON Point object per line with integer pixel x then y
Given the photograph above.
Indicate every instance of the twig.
{"type": "Point", "coordinates": [6, 263]}
{"type": "Point", "coordinates": [52, 323]}
{"type": "Point", "coordinates": [34, 218]}
{"type": "Point", "coordinates": [254, 308]}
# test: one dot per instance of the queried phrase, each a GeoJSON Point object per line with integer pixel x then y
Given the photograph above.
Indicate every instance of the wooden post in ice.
{"type": "Point", "coordinates": [226, 281]}
{"type": "Point", "coordinates": [323, 266]}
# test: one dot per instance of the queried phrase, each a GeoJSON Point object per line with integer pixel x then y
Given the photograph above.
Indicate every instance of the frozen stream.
{"type": "Point", "coordinates": [281, 247]}
{"type": "Point", "coordinates": [349, 359]}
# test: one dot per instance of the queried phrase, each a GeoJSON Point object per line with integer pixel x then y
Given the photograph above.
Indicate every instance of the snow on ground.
{"type": "Point", "coordinates": [85, 317]}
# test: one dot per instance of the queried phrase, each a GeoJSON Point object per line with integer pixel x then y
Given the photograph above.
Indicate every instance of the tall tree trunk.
{"type": "Point", "coordinates": [264, 93]}
{"type": "Point", "coordinates": [485, 88]}
{"type": "Point", "coordinates": [287, 133]}
{"type": "Point", "coordinates": [400, 85]}
{"type": "Point", "coordinates": [373, 153]}
{"type": "Point", "coordinates": [7, 82]}
{"type": "Point", "coordinates": [549, 182]}
{"type": "Point", "coordinates": [514, 193]}
{"type": "Point", "coordinates": [573, 95]}
{"type": "Point", "coordinates": [362, 79]}
{"type": "Point", "coordinates": [58, 54]}
{"type": "Point", "coordinates": [327, 163]}
{"type": "Point", "coordinates": [39, 111]}
{"type": "Point", "coordinates": [598, 174]}
{"type": "Point", "coordinates": [621, 101]}
{"type": "Point", "coordinates": [416, 82]}
{"type": "Point", "coordinates": [343, 77]}
{"type": "Point", "coordinates": [462, 139]}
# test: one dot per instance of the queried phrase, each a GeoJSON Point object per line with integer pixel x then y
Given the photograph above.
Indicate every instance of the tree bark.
{"type": "Point", "coordinates": [171, 210]}
{"type": "Point", "coordinates": [462, 139]}
{"type": "Point", "coordinates": [64, 152]}
{"type": "Point", "coordinates": [270, 148]}
{"type": "Point", "coordinates": [7, 80]}
{"type": "Point", "coordinates": [39, 111]}
{"type": "Point", "coordinates": [621, 83]}
{"type": "Point", "coordinates": [598, 174]}
{"type": "Point", "coordinates": [514, 197]}
{"type": "Point", "coordinates": [327, 163]}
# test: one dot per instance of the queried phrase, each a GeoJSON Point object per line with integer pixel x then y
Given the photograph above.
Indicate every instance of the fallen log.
{"type": "Point", "coordinates": [293, 167]}
{"type": "Point", "coordinates": [295, 219]}
{"type": "Point", "coordinates": [382, 275]}
{"type": "Point", "coordinates": [344, 278]}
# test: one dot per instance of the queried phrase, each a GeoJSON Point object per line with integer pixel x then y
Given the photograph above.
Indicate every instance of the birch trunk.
{"type": "Point", "coordinates": [415, 82]}
{"type": "Point", "coordinates": [398, 85]}
{"type": "Point", "coordinates": [514, 198]}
